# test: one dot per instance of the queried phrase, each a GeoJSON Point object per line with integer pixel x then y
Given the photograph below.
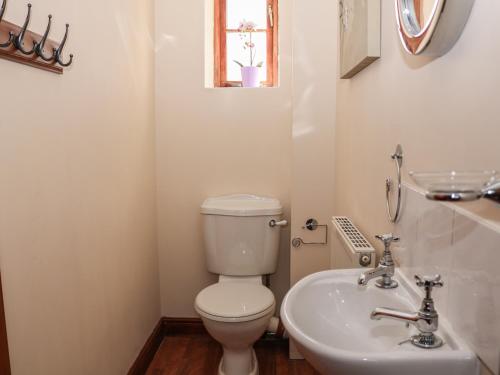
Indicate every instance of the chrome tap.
{"type": "Point", "coordinates": [385, 269]}
{"type": "Point", "coordinates": [425, 320]}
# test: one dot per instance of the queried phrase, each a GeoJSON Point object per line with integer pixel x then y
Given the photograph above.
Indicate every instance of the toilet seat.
{"type": "Point", "coordinates": [235, 302]}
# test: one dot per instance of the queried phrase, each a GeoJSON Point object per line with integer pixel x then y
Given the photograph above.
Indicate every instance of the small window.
{"type": "Point", "coordinates": [246, 35]}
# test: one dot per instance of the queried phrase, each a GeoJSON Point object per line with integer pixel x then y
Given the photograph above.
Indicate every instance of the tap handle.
{"type": "Point", "coordinates": [387, 239]}
{"type": "Point", "coordinates": [429, 283]}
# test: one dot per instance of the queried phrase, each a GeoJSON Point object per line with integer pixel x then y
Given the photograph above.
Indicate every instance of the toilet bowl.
{"type": "Point", "coordinates": [241, 238]}
{"type": "Point", "coordinates": [236, 313]}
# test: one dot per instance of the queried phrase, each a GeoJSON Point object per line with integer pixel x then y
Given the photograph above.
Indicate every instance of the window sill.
{"type": "Point", "coordinates": [237, 85]}
{"type": "Point", "coordinates": [241, 88]}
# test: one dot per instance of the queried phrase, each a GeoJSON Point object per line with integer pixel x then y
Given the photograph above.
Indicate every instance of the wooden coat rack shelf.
{"type": "Point", "coordinates": [23, 46]}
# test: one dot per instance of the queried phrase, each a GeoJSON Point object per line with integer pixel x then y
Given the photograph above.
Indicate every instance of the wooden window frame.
{"type": "Point", "coordinates": [220, 51]}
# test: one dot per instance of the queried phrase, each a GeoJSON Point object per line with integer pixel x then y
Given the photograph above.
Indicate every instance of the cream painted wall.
{"type": "Point", "coordinates": [77, 218]}
{"type": "Point", "coordinates": [212, 142]}
{"type": "Point", "coordinates": [314, 107]}
{"type": "Point", "coordinates": [443, 111]}
{"type": "Point", "coordinates": [314, 98]}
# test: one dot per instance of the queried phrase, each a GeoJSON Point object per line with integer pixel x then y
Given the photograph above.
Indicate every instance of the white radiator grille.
{"type": "Point", "coordinates": [352, 235]}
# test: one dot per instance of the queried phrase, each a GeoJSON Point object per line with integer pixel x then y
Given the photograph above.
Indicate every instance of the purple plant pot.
{"type": "Point", "coordinates": [250, 76]}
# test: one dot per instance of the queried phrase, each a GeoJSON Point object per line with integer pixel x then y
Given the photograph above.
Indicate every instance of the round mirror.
{"type": "Point", "coordinates": [431, 26]}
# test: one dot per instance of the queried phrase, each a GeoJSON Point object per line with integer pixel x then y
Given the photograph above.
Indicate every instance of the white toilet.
{"type": "Point", "coordinates": [241, 243]}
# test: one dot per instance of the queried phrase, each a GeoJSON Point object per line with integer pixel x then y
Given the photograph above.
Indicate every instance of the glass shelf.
{"type": "Point", "coordinates": [457, 186]}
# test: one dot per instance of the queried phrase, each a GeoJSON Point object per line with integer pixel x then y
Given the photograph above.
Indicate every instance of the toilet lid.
{"type": "Point", "coordinates": [234, 300]}
{"type": "Point", "coordinates": [241, 205]}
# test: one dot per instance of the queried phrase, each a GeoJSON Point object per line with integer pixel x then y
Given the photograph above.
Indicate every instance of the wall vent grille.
{"type": "Point", "coordinates": [352, 235]}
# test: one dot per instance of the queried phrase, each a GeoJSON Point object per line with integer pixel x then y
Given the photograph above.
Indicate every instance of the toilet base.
{"type": "Point", "coordinates": [255, 366]}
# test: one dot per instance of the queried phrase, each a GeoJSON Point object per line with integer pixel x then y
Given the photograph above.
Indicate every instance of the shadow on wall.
{"type": "Point", "coordinates": [416, 62]}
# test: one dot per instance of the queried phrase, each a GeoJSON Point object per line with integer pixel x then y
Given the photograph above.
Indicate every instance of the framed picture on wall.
{"type": "Point", "coordinates": [359, 35]}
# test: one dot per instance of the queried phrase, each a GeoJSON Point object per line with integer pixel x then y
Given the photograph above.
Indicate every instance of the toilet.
{"type": "Point", "coordinates": [241, 234]}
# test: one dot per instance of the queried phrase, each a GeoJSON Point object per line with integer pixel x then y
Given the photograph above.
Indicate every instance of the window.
{"type": "Point", "coordinates": [236, 46]}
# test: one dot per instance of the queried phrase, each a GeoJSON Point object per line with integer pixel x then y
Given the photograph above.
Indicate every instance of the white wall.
{"type": "Point", "coordinates": [212, 142]}
{"type": "Point", "coordinates": [314, 107]}
{"type": "Point", "coordinates": [443, 111]}
{"type": "Point", "coordinates": [461, 247]}
{"type": "Point", "coordinates": [77, 219]}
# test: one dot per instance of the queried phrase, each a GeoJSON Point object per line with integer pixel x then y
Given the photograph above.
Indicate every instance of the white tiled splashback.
{"type": "Point", "coordinates": [436, 238]}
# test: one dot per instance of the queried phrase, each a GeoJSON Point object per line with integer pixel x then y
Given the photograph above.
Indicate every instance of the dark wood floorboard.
{"type": "Point", "coordinates": [200, 355]}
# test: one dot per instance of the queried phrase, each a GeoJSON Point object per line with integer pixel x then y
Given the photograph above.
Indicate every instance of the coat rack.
{"type": "Point", "coordinates": [20, 45]}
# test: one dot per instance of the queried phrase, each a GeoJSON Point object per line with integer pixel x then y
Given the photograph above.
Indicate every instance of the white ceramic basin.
{"type": "Point", "coordinates": [327, 315]}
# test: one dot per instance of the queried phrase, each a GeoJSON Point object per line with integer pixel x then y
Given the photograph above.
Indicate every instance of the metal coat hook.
{"type": "Point", "coordinates": [39, 47]}
{"type": "Point", "coordinates": [19, 39]}
{"type": "Point", "coordinates": [11, 35]}
{"type": "Point", "coordinates": [2, 9]}
{"type": "Point", "coordinates": [45, 54]}
{"type": "Point", "coordinates": [58, 52]}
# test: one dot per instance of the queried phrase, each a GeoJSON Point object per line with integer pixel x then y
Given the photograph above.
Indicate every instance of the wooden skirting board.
{"type": "Point", "coordinates": [165, 327]}
{"type": "Point", "coordinates": [4, 346]}
{"type": "Point", "coordinates": [141, 364]}
{"type": "Point", "coordinates": [170, 327]}
{"type": "Point", "coordinates": [183, 326]}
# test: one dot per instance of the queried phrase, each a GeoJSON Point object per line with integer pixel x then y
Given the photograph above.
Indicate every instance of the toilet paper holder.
{"type": "Point", "coordinates": [312, 225]}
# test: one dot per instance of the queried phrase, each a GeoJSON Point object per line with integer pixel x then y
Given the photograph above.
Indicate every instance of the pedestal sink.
{"type": "Point", "coordinates": [327, 315]}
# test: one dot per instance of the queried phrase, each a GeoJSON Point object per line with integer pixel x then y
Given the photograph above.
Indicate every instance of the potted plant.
{"type": "Point", "coordinates": [249, 73]}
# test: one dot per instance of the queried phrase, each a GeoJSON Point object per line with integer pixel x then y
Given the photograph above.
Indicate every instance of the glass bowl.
{"type": "Point", "coordinates": [455, 186]}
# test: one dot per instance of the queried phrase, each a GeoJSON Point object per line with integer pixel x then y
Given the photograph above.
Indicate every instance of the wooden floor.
{"type": "Point", "coordinates": [200, 355]}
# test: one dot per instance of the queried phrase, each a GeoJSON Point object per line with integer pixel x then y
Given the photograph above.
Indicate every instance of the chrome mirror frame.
{"type": "Point", "coordinates": [441, 31]}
